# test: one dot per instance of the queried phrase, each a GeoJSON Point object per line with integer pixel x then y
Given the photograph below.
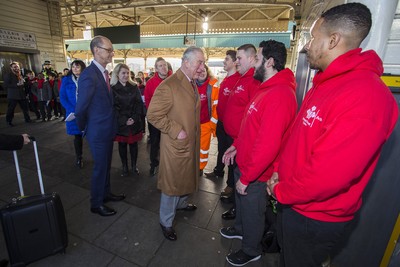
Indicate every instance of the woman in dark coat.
{"type": "Point", "coordinates": [129, 108]}
{"type": "Point", "coordinates": [68, 93]}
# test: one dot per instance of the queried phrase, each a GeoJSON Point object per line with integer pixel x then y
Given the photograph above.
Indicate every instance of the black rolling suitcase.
{"type": "Point", "coordinates": [34, 227]}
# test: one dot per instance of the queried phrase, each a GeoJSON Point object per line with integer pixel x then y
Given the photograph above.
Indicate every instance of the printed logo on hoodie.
{"type": "Point", "coordinates": [239, 89]}
{"type": "Point", "coordinates": [252, 108]}
{"type": "Point", "coordinates": [312, 115]}
{"type": "Point", "coordinates": [226, 91]}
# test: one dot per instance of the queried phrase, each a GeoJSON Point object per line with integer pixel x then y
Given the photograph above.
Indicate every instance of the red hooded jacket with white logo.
{"type": "Point", "coordinates": [267, 117]}
{"type": "Point", "coordinates": [335, 142]}
{"type": "Point", "coordinates": [224, 92]}
{"type": "Point", "coordinates": [241, 95]}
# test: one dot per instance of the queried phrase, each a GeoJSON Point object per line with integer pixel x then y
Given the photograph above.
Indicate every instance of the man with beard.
{"type": "Point", "coordinates": [161, 69]}
{"type": "Point", "coordinates": [334, 144]}
{"type": "Point", "coordinates": [14, 83]}
{"type": "Point", "coordinates": [267, 117]}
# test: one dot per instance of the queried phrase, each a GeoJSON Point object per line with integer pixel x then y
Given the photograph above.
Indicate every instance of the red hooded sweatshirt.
{"type": "Point", "coordinates": [151, 87]}
{"type": "Point", "coordinates": [241, 95]}
{"type": "Point", "coordinates": [225, 89]}
{"type": "Point", "coordinates": [267, 117]}
{"type": "Point", "coordinates": [335, 142]}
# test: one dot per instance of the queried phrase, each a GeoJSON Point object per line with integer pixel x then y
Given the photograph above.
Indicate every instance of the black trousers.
{"type": "Point", "coordinates": [250, 215]}
{"type": "Point", "coordinates": [12, 103]}
{"type": "Point", "coordinates": [45, 110]}
{"type": "Point", "coordinates": [155, 135]}
{"type": "Point", "coordinates": [306, 242]}
{"type": "Point", "coordinates": [78, 144]}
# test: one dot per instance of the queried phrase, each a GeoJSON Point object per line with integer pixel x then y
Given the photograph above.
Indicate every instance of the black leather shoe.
{"type": "Point", "coordinates": [169, 233]}
{"type": "Point", "coordinates": [189, 207]}
{"type": "Point", "coordinates": [153, 171]}
{"type": "Point", "coordinates": [79, 163]}
{"type": "Point", "coordinates": [114, 198]}
{"type": "Point", "coordinates": [103, 211]}
{"type": "Point", "coordinates": [229, 214]}
{"type": "Point", "coordinates": [135, 170]}
{"type": "Point", "coordinates": [10, 124]}
{"type": "Point", "coordinates": [227, 199]}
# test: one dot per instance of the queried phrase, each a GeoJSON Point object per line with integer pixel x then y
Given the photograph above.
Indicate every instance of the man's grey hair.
{"type": "Point", "coordinates": [96, 41]}
{"type": "Point", "coordinates": [190, 51]}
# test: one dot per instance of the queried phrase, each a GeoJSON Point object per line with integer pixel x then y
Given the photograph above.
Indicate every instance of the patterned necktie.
{"type": "Point", "coordinates": [107, 79]}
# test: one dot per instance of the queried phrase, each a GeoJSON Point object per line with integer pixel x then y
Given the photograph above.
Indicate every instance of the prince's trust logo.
{"type": "Point", "coordinates": [312, 115]}
{"type": "Point", "coordinates": [226, 91]}
{"type": "Point", "coordinates": [252, 108]}
{"type": "Point", "coordinates": [239, 89]}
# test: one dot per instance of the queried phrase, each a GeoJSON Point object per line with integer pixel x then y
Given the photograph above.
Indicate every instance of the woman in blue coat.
{"type": "Point", "coordinates": [68, 94]}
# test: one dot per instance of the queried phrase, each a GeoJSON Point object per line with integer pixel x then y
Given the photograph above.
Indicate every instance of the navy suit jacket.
{"type": "Point", "coordinates": [94, 110]}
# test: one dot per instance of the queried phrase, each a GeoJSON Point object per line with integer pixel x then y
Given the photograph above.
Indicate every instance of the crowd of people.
{"type": "Point", "coordinates": [302, 159]}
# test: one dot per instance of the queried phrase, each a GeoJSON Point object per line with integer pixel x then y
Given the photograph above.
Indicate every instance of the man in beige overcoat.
{"type": "Point", "coordinates": [175, 111]}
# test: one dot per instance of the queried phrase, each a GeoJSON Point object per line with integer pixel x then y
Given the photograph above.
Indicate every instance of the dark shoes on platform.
{"type": "Point", "coordinates": [230, 233]}
{"type": "Point", "coordinates": [114, 198]}
{"type": "Point", "coordinates": [153, 171]}
{"type": "Point", "coordinates": [239, 258]}
{"type": "Point", "coordinates": [79, 163]}
{"type": "Point", "coordinates": [125, 170]}
{"type": "Point", "coordinates": [189, 207]}
{"type": "Point", "coordinates": [169, 233]}
{"type": "Point", "coordinates": [229, 214]}
{"type": "Point", "coordinates": [103, 211]}
{"type": "Point", "coordinates": [214, 174]}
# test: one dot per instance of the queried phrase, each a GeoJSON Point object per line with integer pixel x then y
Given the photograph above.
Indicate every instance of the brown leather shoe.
{"type": "Point", "coordinates": [169, 233]}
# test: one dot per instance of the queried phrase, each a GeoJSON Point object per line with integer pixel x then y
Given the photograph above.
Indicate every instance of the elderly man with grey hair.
{"type": "Point", "coordinates": [175, 111]}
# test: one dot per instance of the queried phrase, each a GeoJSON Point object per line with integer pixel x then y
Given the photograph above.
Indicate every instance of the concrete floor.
{"type": "Point", "coordinates": [132, 237]}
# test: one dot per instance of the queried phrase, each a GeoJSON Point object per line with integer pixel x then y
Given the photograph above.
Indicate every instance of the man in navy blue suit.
{"type": "Point", "coordinates": [96, 118]}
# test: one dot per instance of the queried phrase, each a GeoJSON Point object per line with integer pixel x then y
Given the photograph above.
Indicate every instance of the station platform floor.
{"type": "Point", "coordinates": [133, 236]}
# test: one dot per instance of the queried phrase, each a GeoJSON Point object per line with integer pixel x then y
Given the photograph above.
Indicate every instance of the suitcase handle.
{"type": "Point", "coordinates": [39, 171]}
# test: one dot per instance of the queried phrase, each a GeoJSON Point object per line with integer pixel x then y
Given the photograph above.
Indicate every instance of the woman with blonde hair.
{"type": "Point", "coordinates": [129, 108]}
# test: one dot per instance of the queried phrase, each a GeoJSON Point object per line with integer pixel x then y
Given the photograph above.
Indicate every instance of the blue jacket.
{"type": "Point", "coordinates": [94, 110]}
{"type": "Point", "coordinates": [68, 101]}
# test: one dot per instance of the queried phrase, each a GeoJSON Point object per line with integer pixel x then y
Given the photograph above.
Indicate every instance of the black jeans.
{"type": "Point", "coordinates": [250, 215]}
{"type": "Point", "coordinates": [306, 242]}
{"type": "Point", "coordinates": [12, 103]}
{"type": "Point", "coordinates": [155, 135]}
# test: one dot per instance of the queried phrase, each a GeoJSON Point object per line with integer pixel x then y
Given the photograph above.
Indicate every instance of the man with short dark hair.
{"type": "Point", "coordinates": [240, 95]}
{"type": "Point", "coordinates": [14, 84]}
{"type": "Point", "coordinates": [96, 117]}
{"type": "Point", "coordinates": [267, 117]}
{"type": "Point", "coordinates": [335, 141]}
{"type": "Point", "coordinates": [175, 111]}
{"type": "Point", "coordinates": [161, 73]}
{"type": "Point", "coordinates": [224, 140]}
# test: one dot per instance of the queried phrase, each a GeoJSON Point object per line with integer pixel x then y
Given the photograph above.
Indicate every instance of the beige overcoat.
{"type": "Point", "coordinates": [173, 107]}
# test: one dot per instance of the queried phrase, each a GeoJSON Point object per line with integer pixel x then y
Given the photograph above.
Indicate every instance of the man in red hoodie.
{"type": "Point", "coordinates": [335, 141]}
{"type": "Point", "coordinates": [240, 95]}
{"type": "Point", "coordinates": [161, 74]}
{"type": "Point", "coordinates": [266, 119]}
